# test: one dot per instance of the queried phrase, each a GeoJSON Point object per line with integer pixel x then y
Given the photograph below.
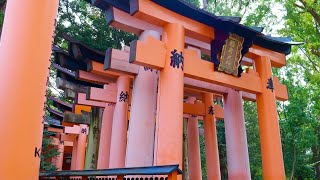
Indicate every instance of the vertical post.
{"type": "Point", "coordinates": [59, 158]}
{"type": "Point", "coordinates": [236, 137]}
{"type": "Point", "coordinates": [142, 115]}
{"type": "Point", "coordinates": [120, 125]}
{"type": "Point", "coordinates": [211, 141]}
{"type": "Point", "coordinates": [93, 139]}
{"type": "Point", "coordinates": [74, 154]}
{"type": "Point", "coordinates": [25, 50]}
{"type": "Point", "coordinates": [193, 145]}
{"type": "Point", "coordinates": [105, 137]}
{"type": "Point", "coordinates": [169, 122]}
{"type": "Point", "coordinates": [173, 176]}
{"type": "Point", "coordinates": [81, 148]}
{"type": "Point", "coordinates": [271, 150]}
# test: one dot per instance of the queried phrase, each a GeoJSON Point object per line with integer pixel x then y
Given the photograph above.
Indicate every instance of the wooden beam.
{"type": "Point", "coordinates": [193, 66]}
{"type": "Point", "coordinates": [199, 110]}
{"type": "Point", "coordinates": [108, 95]}
{"type": "Point", "coordinates": [67, 137]}
{"type": "Point", "coordinates": [154, 14]}
{"type": "Point", "coordinates": [97, 68]}
{"type": "Point", "coordinates": [79, 108]}
{"type": "Point", "coordinates": [75, 129]}
{"type": "Point", "coordinates": [83, 118]}
{"type": "Point", "coordinates": [56, 130]}
{"type": "Point", "coordinates": [277, 59]}
{"type": "Point", "coordinates": [64, 84]}
{"type": "Point", "coordinates": [81, 99]}
{"type": "Point", "coordinates": [117, 59]}
{"type": "Point", "coordinates": [123, 21]}
{"type": "Point", "coordinates": [93, 78]}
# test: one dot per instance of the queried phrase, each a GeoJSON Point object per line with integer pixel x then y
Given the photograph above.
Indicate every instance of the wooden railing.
{"type": "Point", "coordinates": [169, 172]}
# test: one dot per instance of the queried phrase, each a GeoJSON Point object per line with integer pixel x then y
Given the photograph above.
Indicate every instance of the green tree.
{"type": "Point", "coordinates": [48, 151]}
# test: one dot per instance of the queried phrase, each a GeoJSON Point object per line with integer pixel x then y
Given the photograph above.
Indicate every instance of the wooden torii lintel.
{"type": "Point", "coordinates": [124, 21]}
{"type": "Point", "coordinates": [116, 61]}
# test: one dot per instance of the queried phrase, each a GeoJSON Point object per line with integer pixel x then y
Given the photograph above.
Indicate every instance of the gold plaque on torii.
{"type": "Point", "coordinates": [231, 55]}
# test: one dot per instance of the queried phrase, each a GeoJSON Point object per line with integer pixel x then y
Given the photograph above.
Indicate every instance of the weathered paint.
{"type": "Point", "coordinates": [142, 115]}
{"type": "Point", "coordinates": [236, 137]}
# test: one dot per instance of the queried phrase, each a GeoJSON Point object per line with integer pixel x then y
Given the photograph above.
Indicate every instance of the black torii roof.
{"type": "Point", "coordinates": [222, 23]}
{"type": "Point", "coordinates": [61, 105]}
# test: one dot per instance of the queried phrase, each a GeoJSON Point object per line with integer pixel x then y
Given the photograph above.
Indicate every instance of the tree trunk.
{"type": "Point", "coordinates": [294, 162]}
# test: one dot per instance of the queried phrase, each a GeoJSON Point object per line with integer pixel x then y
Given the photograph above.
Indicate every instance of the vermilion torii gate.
{"type": "Point", "coordinates": [180, 24]}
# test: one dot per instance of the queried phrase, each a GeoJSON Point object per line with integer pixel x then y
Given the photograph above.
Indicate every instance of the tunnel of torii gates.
{"type": "Point", "coordinates": [139, 106]}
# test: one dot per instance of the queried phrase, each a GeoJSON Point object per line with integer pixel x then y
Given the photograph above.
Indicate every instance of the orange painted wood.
{"type": "Point", "coordinates": [198, 69]}
{"type": "Point", "coordinates": [119, 126]}
{"type": "Point", "coordinates": [81, 99]}
{"type": "Point", "coordinates": [169, 124]}
{"type": "Point", "coordinates": [68, 143]}
{"type": "Point", "coordinates": [150, 52]}
{"type": "Point", "coordinates": [97, 68]}
{"type": "Point", "coordinates": [160, 16]}
{"type": "Point", "coordinates": [140, 145]}
{"type": "Point", "coordinates": [108, 95]}
{"type": "Point", "coordinates": [81, 151]}
{"type": "Point", "coordinates": [271, 149]}
{"type": "Point", "coordinates": [125, 22]}
{"type": "Point", "coordinates": [118, 59]}
{"type": "Point", "coordinates": [211, 141]}
{"type": "Point", "coordinates": [131, 69]}
{"type": "Point", "coordinates": [67, 137]}
{"type": "Point", "coordinates": [105, 137]}
{"type": "Point", "coordinates": [173, 176]}
{"type": "Point", "coordinates": [93, 78]}
{"type": "Point", "coordinates": [193, 145]}
{"type": "Point", "coordinates": [24, 52]}
{"type": "Point", "coordinates": [56, 130]}
{"type": "Point", "coordinates": [74, 155]}
{"type": "Point", "coordinates": [79, 108]}
{"type": "Point", "coordinates": [204, 70]}
{"type": "Point", "coordinates": [281, 91]}
{"type": "Point", "coordinates": [277, 59]}
{"type": "Point", "coordinates": [69, 124]}
{"type": "Point", "coordinates": [194, 109]}
{"type": "Point", "coordinates": [236, 137]}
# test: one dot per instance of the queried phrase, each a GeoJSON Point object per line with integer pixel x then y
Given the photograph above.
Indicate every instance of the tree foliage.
{"type": "Point", "coordinates": [48, 151]}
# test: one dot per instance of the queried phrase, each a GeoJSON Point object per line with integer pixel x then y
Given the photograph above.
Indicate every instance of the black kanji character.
{"type": "Point", "coordinates": [123, 96]}
{"type": "Point", "coordinates": [146, 69]}
{"type": "Point", "coordinates": [84, 130]}
{"type": "Point", "coordinates": [270, 84]}
{"type": "Point", "coordinates": [176, 59]}
{"type": "Point", "coordinates": [211, 110]}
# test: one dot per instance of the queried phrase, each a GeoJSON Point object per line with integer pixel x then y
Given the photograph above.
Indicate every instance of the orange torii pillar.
{"type": "Point", "coordinates": [25, 50]}
{"type": "Point", "coordinates": [74, 154]}
{"type": "Point", "coordinates": [193, 145]}
{"type": "Point", "coordinates": [105, 137]}
{"type": "Point", "coordinates": [80, 145]}
{"type": "Point", "coordinates": [120, 124]}
{"type": "Point", "coordinates": [210, 139]}
{"type": "Point", "coordinates": [169, 121]}
{"type": "Point", "coordinates": [236, 137]}
{"type": "Point", "coordinates": [142, 115]}
{"type": "Point", "coordinates": [271, 150]}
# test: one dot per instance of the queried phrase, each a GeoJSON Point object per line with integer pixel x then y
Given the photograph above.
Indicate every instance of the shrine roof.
{"type": "Point", "coordinates": [61, 105]}
{"type": "Point", "coordinates": [70, 76]}
{"type": "Point", "coordinates": [226, 24]}
{"type": "Point", "coordinates": [85, 53]}
{"type": "Point", "coordinates": [55, 114]}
